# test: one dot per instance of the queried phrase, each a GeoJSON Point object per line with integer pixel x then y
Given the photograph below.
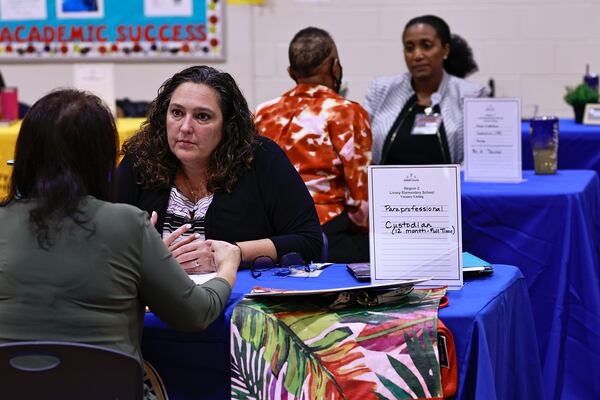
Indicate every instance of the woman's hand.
{"type": "Point", "coordinates": [225, 254]}
{"type": "Point", "coordinates": [227, 258]}
{"type": "Point", "coordinates": [194, 255]}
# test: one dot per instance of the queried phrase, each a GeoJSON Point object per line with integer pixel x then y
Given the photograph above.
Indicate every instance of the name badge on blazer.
{"type": "Point", "coordinates": [426, 124]}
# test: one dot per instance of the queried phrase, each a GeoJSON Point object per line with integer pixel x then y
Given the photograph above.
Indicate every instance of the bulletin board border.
{"type": "Point", "coordinates": [206, 40]}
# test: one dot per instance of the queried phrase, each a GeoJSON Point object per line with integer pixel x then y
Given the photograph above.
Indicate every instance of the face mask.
{"type": "Point", "coordinates": [337, 83]}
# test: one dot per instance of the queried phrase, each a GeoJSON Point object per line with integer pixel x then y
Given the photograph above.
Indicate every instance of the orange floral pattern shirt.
{"type": "Point", "coordinates": [328, 140]}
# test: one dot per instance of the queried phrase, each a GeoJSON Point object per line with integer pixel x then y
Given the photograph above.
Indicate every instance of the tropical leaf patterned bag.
{"type": "Point", "coordinates": [300, 349]}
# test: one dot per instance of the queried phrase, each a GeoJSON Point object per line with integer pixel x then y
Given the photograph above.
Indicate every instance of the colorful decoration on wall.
{"type": "Point", "coordinates": [111, 30]}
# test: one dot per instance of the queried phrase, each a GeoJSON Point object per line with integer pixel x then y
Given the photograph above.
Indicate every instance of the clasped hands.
{"type": "Point", "coordinates": [194, 255]}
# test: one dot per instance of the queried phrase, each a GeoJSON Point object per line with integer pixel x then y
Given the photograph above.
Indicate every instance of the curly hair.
{"type": "Point", "coordinates": [157, 165]}
{"type": "Point", "coordinates": [66, 149]}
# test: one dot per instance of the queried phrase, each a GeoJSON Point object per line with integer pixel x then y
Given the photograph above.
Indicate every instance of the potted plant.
{"type": "Point", "coordinates": [578, 97]}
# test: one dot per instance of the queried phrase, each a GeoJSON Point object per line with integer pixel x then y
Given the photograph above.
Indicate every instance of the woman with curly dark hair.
{"type": "Point", "coordinates": [200, 165]}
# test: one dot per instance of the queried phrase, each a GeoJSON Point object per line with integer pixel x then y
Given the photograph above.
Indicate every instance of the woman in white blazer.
{"type": "Point", "coordinates": [417, 117]}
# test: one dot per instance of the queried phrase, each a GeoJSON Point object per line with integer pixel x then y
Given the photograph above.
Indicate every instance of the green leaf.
{"type": "Point", "coordinates": [407, 376]}
{"type": "Point", "coordinates": [365, 316]}
{"type": "Point", "coordinates": [424, 359]}
{"type": "Point", "coordinates": [247, 382]}
{"type": "Point", "coordinates": [282, 347]}
{"type": "Point", "coordinates": [257, 327]}
{"type": "Point", "coordinates": [396, 390]}
{"type": "Point", "coordinates": [307, 327]}
{"type": "Point", "coordinates": [581, 94]}
{"type": "Point", "coordinates": [276, 347]}
{"type": "Point", "coordinates": [331, 339]}
{"type": "Point", "coordinates": [434, 380]}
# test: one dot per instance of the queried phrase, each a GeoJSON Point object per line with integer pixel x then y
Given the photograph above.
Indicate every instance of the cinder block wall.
{"type": "Point", "coordinates": [531, 48]}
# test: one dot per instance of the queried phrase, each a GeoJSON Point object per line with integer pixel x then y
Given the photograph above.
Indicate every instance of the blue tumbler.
{"type": "Point", "coordinates": [544, 143]}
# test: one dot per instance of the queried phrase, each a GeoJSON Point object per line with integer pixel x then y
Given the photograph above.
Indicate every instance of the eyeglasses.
{"type": "Point", "coordinates": [286, 264]}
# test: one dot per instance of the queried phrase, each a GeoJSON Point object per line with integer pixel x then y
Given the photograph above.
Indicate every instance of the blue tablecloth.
{"type": "Point", "coordinates": [550, 227]}
{"type": "Point", "coordinates": [490, 318]}
{"type": "Point", "coordinates": [578, 146]}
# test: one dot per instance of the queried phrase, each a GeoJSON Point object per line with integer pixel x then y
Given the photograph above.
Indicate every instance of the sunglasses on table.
{"type": "Point", "coordinates": [287, 263]}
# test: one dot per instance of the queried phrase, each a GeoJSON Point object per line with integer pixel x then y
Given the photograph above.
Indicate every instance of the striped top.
{"type": "Point", "coordinates": [181, 211]}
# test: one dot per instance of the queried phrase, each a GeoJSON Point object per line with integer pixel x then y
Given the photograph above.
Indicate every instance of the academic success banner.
{"type": "Point", "coordinates": [111, 30]}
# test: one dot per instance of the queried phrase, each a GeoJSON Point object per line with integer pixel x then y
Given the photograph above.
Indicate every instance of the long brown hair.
{"type": "Point", "coordinates": [66, 149]}
{"type": "Point", "coordinates": [157, 165]}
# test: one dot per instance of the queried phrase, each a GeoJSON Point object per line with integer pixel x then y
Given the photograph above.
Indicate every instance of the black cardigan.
{"type": "Point", "coordinates": [269, 201]}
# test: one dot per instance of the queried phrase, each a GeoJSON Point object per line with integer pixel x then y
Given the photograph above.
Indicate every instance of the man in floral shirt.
{"type": "Point", "coordinates": [327, 138]}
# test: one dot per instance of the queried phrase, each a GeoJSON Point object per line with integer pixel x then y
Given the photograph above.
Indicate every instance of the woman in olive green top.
{"type": "Point", "coordinates": [74, 266]}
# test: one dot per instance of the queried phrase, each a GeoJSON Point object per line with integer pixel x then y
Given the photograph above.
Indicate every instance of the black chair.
{"type": "Point", "coordinates": [66, 370]}
{"type": "Point", "coordinates": [133, 109]}
{"type": "Point", "coordinates": [492, 87]}
{"type": "Point", "coordinates": [23, 108]}
{"type": "Point", "coordinates": [325, 251]}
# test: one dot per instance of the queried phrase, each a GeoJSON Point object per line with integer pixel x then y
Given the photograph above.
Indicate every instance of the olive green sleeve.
{"type": "Point", "coordinates": [170, 293]}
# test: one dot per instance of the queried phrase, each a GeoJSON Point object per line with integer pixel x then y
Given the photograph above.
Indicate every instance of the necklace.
{"type": "Point", "coordinates": [196, 195]}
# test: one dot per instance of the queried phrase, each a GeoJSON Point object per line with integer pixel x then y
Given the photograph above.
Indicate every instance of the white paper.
{"type": "Point", "coordinates": [19, 10]}
{"type": "Point", "coordinates": [315, 270]}
{"type": "Point", "coordinates": [293, 293]}
{"type": "Point", "coordinates": [98, 79]}
{"type": "Point", "coordinates": [492, 132]}
{"type": "Point", "coordinates": [201, 278]}
{"type": "Point", "coordinates": [69, 9]}
{"type": "Point", "coordinates": [415, 223]}
{"type": "Point", "coordinates": [168, 8]}
{"type": "Point", "coordinates": [300, 273]}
